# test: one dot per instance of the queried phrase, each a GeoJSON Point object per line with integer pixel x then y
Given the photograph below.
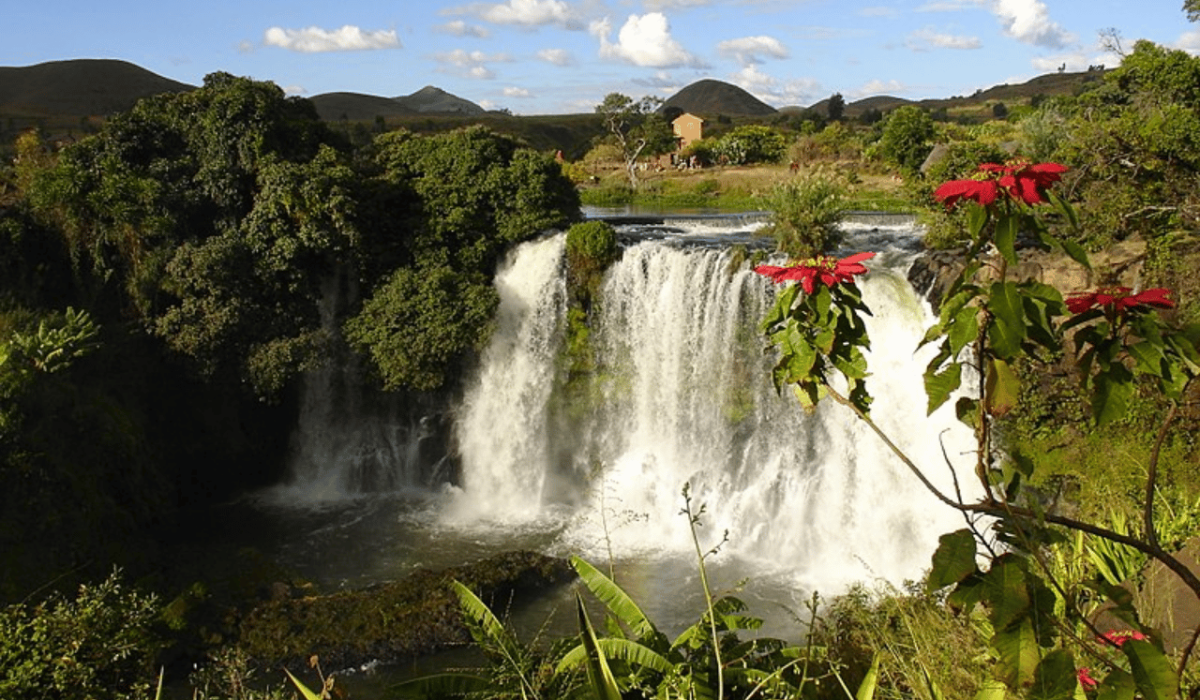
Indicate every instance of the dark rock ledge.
{"type": "Point", "coordinates": [390, 622]}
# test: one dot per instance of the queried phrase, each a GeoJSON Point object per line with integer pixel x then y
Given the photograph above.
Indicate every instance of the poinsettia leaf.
{"type": "Point", "coordinates": [1007, 330]}
{"type": "Point", "coordinates": [967, 411]}
{"type": "Point", "coordinates": [977, 218]}
{"type": "Point", "coordinates": [991, 690]}
{"type": "Point", "coordinates": [939, 385]}
{"type": "Point", "coordinates": [1006, 238]}
{"type": "Point", "coordinates": [1117, 685]}
{"type": "Point", "coordinates": [1151, 670]}
{"type": "Point", "coordinates": [1054, 678]}
{"type": "Point", "coordinates": [964, 330]}
{"type": "Point", "coordinates": [1149, 357]}
{"type": "Point", "coordinates": [1019, 653]}
{"type": "Point", "coordinates": [953, 561]}
{"type": "Point", "coordinates": [1002, 388]}
{"type": "Point", "coordinates": [1110, 398]}
{"type": "Point", "coordinates": [1008, 593]}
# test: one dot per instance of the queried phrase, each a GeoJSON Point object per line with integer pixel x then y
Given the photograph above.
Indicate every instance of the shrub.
{"type": "Point", "coordinates": [591, 248]}
{"type": "Point", "coordinates": [95, 647]}
{"type": "Point", "coordinates": [805, 212]}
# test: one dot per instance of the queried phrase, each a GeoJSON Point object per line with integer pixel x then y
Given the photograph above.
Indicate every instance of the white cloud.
{"type": "Point", "coordinates": [951, 5]}
{"type": "Point", "coordinates": [1028, 21]}
{"type": "Point", "coordinates": [925, 39]}
{"type": "Point", "coordinates": [460, 28]}
{"type": "Point", "coordinates": [1073, 62]}
{"type": "Point", "coordinates": [751, 49]}
{"type": "Point", "coordinates": [1189, 42]}
{"type": "Point", "coordinates": [773, 91]}
{"type": "Point", "coordinates": [657, 5]}
{"type": "Point", "coordinates": [644, 40]}
{"type": "Point", "coordinates": [877, 87]}
{"type": "Point", "coordinates": [294, 90]}
{"type": "Point", "coordinates": [531, 13]}
{"type": "Point", "coordinates": [471, 63]}
{"type": "Point", "coordinates": [316, 40]}
{"type": "Point", "coordinates": [558, 57]}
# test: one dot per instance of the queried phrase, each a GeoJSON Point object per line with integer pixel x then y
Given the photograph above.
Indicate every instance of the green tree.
{"type": "Point", "coordinates": [234, 179]}
{"type": "Point", "coordinates": [1135, 142]}
{"type": "Point", "coordinates": [752, 143]}
{"type": "Point", "coordinates": [450, 206]}
{"type": "Point", "coordinates": [837, 107]}
{"type": "Point", "coordinates": [907, 137]}
{"type": "Point", "coordinates": [636, 128]}
{"type": "Point", "coordinates": [1192, 8]}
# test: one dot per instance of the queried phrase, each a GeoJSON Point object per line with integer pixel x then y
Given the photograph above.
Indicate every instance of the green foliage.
{"type": "Point", "coordinates": [805, 212]}
{"type": "Point", "coordinates": [818, 334]}
{"type": "Point", "coordinates": [97, 646]}
{"type": "Point", "coordinates": [907, 137]}
{"type": "Point", "coordinates": [750, 144]}
{"type": "Point", "coordinates": [462, 199]}
{"type": "Point", "coordinates": [591, 248]}
{"type": "Point", "coordinates": [636, 129]}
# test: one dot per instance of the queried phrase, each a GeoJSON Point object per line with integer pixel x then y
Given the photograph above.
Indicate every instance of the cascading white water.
{"type": "Point", "coordinates": [502, 427]}
{"type": "Point", "coordinates": [684, 396]}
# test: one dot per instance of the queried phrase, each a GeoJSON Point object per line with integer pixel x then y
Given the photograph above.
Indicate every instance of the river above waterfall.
{"type": "Point", "coordinates": [792, 502]}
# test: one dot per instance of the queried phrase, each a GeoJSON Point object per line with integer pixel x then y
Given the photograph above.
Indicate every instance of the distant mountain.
{"type": "Point", "coordinates": [335, 106]}
{"type": "Point", "coordinates": [77, 88]}
{"type": "Point", "coordinates": [712, 97]}
{"type": "Point", "coordinates": [431, 99]}
{"type": "Point", "coordinates": [353, 106]}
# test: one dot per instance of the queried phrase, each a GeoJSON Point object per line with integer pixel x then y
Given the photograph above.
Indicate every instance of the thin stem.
{"type": "Point", "coordinates": [1152, 475]}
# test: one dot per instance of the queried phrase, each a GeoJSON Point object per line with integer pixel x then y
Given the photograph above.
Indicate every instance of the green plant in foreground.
{"type": "Point", "coordinates": [805, 211]}
{"type": "Point", "coordinates": [987, 324]}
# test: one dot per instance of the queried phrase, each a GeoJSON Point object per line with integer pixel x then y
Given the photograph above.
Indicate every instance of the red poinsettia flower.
{"type": "Point", "coordinates": [1119, 298]}
{"type": "Point", "coordinates": [1119, 638]}
{"type": "Point", "coordinates": [1085, 679]}
{"type": "Point", "coordinates": [825, 269]}
{"type": "Point", "coordinates": [1021, 181]}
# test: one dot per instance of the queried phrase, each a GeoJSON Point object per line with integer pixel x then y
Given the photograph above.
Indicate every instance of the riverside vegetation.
{"type": "Point", "coordinates": [158, 302]}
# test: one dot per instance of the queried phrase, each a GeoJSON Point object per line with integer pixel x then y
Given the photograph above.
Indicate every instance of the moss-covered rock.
{"type": "Point", "coordinates": [389, 622]}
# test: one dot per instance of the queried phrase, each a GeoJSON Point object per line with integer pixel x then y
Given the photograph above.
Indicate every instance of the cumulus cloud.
{"type": "Point", "coordinates": [926, 39]}
{"type": "Point", "coordinates": [644, 40]}
{"type": "Point", "coordinates": [558, 57]}
{"type": "Point", "coordinates": [531, 13]}
{"type": "Point", "coordinates": [517, 92]}
{"type": "Point", "coordinates": [470, 63]}
{"type": "Point", "coordinates": [316, 40]}
{"type": "Point", "coordinates": [460, 28]}
{"type": "Point", "coordinates": [1189, 42]}
{"type": "Point", "coordinates": [774, 91]}
{"type": "Point", "coordinates": [750, 50]}
{"type": "Point", "coordinates": [1028, 21]}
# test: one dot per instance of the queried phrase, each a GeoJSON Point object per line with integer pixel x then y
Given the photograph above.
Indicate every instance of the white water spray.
{"type": "Point", "coordinates": [685, 397]}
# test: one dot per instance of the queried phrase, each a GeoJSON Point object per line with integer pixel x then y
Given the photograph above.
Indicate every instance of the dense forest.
{"type": "Point", "coordinates": [161, 284]}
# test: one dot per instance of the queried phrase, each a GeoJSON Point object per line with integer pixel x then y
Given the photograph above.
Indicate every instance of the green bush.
{"type": "Point", "coordinates": [805, 212]}
{"type": "Point", "coordinates": [95, 647]}
{"type": "Point", "coordinates": [591, 248]}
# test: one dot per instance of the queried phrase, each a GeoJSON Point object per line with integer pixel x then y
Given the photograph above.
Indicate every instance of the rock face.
{"type": "Point", "coordinates": [1120, 264]}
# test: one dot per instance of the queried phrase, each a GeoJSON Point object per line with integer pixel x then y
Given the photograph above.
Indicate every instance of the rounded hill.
{"type": "Point", "coordinates": [711, 97]}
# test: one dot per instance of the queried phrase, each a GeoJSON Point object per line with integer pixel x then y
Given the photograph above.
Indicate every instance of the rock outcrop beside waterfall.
{"type": "Point", "coordinates": [934, 271]}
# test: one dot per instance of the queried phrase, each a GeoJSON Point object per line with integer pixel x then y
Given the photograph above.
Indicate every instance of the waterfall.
{"type": "Point", "coordinates": [350, 439]}
{"type": "Point", "coordinates": [683, 395]}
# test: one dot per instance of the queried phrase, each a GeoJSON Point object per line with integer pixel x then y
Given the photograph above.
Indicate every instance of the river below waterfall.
{"type": "Point", "coordinates": [682, 396]}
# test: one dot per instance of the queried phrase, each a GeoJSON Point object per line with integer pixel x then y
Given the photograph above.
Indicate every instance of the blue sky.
{"type": "Point", "coordinates": [564, 56]}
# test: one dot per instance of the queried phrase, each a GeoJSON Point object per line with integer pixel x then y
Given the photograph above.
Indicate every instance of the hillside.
{"type": "Point", "coordinates": [713, 97]}
{"type": "Point", "coordinates": [78, 88]}
{"type": "Point", "coordinates": [353, 106]}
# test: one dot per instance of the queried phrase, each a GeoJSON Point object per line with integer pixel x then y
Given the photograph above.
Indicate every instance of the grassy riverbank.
{"type": "Point", "coordinates": [739, 188]}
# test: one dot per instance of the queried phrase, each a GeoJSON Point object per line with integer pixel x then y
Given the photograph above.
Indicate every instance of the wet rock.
{"type": "Point", "coordinates": [389, 622]}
